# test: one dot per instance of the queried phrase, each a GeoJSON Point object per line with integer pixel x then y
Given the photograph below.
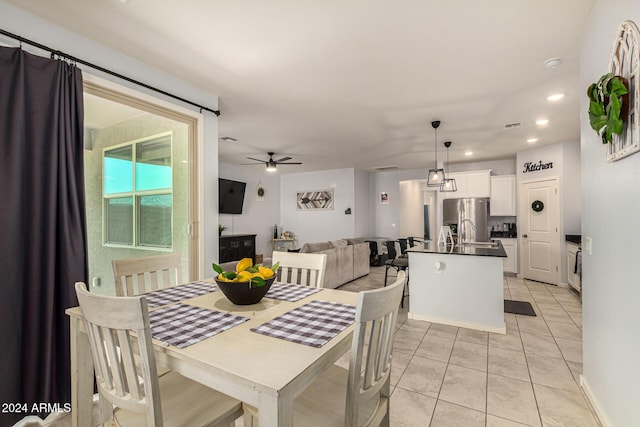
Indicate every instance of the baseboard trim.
{"type": "Point", "coordinates": [597, 409]}
{"type": "Point", "coordinates": [477, 326]}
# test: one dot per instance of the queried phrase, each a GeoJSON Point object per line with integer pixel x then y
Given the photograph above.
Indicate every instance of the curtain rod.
{"type": "Point", "coordinates": [55, 52]}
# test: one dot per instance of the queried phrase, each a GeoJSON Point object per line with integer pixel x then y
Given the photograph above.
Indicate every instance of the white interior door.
{"type": "Point", "coordinates": [539, 230]}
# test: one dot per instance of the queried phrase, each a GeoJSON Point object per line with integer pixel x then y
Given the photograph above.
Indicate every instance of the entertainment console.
{"type": "Point", "coordinates": [237, 246]}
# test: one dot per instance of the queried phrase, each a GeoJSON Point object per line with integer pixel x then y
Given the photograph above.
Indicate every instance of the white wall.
{"type": "Point", "coordinates": [610, 207]}
{"type": "Point", "coordinates": [19, 22]}
{"type": "Point", "coordinates": [361, 205]}
{"type": "Point", "coordinates": [258, 217]}
{"type": "Point", "coordinates": [412, 208]}
{"type": "Point", "coordinates": [565, 157]}
{"type": "Point", "coordinates": [319, 225]}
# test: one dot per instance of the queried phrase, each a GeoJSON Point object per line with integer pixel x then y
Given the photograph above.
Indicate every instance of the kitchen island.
{"type": "Point", "coordinates": [459, 285]}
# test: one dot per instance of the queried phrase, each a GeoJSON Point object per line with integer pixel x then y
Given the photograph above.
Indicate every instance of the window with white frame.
{"type": "Point", "coordinates": [138, 193]}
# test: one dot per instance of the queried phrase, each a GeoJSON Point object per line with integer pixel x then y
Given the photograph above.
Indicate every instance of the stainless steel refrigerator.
{"type": "Point", "coordinates": [467, 218]}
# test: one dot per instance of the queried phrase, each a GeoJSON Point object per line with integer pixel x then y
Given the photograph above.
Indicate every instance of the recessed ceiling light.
{"type": "Point", "coordinates": [552, 62]}
{"type": "Point", "coordinates": [532, 140]}
{"type": "Point", "coordinates": [555, 97]}
{"type": "Point", "coordinates": [542, 122]}
{"type": "Point", "coordinates": [468, 153]}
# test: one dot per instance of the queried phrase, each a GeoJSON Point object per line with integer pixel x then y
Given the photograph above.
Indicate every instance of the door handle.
{"type": "Point", "coordinates": [525, 236]}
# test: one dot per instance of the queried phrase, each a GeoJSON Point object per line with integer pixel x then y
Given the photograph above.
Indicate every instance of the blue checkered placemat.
{"type": "Point", "coordinates": [179, 293]}
{"type": "Point", "coordinates": [312, 324]}
{"type": "Point", "coordinates": [286, 292]}
{"type": "Point", "coordinates": [182, 325]}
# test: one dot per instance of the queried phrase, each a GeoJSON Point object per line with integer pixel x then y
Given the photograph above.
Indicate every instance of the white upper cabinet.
{"type": "Point", "coordinates": [470, 184]}
{"type": "Point", "coordinates": [503, 195]}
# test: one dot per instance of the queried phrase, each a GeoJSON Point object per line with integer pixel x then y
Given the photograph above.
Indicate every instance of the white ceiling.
{"type": "Point", "coordinates": [356, 83]}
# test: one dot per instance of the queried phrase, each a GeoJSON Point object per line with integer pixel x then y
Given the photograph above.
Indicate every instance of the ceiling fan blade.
{"type": "Point", "coordinates": [257, 160]}
{"type": "Point", "coordinates": [244, 164]}
{"type": "Point", "coordinates": [284, 159]}
{"type": "Point", "coordinates": [290, 163]}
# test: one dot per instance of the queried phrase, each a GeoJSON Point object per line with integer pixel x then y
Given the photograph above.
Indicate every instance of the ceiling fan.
{"type": "Point", "coordinates": [272, 164]}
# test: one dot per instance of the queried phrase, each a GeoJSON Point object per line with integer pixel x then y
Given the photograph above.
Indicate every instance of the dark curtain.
{"type": "Point", "coordinates": [43, 242]}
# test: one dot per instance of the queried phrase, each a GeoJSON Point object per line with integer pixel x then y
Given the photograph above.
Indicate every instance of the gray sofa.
{"type": "Point", "coordinates": [347, 259]}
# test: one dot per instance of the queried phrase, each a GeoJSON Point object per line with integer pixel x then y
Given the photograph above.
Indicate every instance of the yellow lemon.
{"type": "Point", "coordinates": [266, 272]}
{"type": "Point", "coordinates": [243, 264]}
{"type": "Point", "coordinates": [244, 276]}
{"type": "Point", "coordinates": [222, 278]}
{"type": "Point", "coordinates": [260, 275]}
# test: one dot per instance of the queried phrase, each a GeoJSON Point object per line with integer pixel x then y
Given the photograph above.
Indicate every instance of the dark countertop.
{"type": "Point", "coordinates": [574, 238]}
{"type": "Point", "coordinates": [433, 248]}
{"type": "Point", "coordinates": [503, 235]}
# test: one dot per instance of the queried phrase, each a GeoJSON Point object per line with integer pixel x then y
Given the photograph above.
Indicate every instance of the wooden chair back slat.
{"type": "Point", "coordinates": [301, 268]}
{"type": "Point", "coordinates": [134, 276]}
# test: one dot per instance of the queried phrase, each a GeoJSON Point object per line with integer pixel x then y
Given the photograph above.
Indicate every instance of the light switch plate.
{"type": "Point", "coordinates": [587, 245]}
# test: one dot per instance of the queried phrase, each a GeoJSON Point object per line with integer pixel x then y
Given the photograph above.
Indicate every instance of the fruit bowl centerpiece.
{"type": "Point", "coordinates": [248, 284]}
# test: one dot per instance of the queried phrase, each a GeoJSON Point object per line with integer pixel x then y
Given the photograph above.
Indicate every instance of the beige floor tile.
{"type": "Point", "coordinates": [440, 330]}
{"type": "Point", "coordinates": [472, 336]}
{"type": "Point", "coordinates": [550, 372]}
{"type": "Point", "coordinates": [556, 316]}
{"type": "Point", "coordinates": [533, 325]}
{"type": "Point", "coordinates": [469, 355]}
{"type": "Point", "coordinates": [512, 399]}
{"type": "Point", "coordinates": [571, 306]}
{"type": "Point", "coordinates": [508, 363]}
{"type": "Point", "coordinates": [576, 317]}
{"type": "Point", "coordinates": [399, 363]}
{"type": "Point", "coordinates": [565, 330]}
{"type": "Point", "coordinates": [407, 341]}
{"type": "Point", "coordinates": [449, 415]}
{"type": "Point", "coordinates": [465, 386]}
{"type": "Point", "coordinates": [540, 344]}
{"type": "Point", "coordinates": [571, 350]}
{"type": "Point", "coordinates": [548, 306]}
{"type": "Point", "coordinates": [415, 325]}
{"type": "Point", "coordinates": [576, 370]}
{"type": "Point", "coordinates": [508, 342]}
{"type": "Point", "coordinates": [423, 376]}
{"type": "Point", "coordinates": [409, 409]}
{"type": "Point", "coordinates": [493, 421]}
{"type": "Point", "coordinates": [563, 408]}
{"type": "Point", "coordinates": [436, 348]}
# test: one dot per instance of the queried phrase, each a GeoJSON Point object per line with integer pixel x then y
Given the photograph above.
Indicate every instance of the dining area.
{"type": "Point", "coordinates": [185, 354]}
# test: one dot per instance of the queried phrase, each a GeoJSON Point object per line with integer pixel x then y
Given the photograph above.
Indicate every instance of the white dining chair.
{"type": "Point", "coordinates": [135, 276]}
{"type": "Point", "coordinates": [301, 269]}
{"type": "Point", "coordinates": [359, 396]}
{"type": "Point", "coordinates": [124, 361]}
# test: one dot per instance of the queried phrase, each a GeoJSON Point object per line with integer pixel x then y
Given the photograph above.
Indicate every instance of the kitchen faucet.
{"type": "Point", "coordinates": [463, 229]}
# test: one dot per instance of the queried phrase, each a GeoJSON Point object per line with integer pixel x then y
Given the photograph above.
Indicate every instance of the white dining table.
{"type": "Point", "coordinates": [265, 372]}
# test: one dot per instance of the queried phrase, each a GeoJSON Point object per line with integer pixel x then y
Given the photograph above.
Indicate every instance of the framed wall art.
{"type": "Point", "coordinates": [625, 62]}
{"type": "Point", "coordinates": [314, 200]}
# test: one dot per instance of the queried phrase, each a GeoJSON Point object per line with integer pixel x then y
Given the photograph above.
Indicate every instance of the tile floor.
{"type": "Point", "coordinates": [448, 376]}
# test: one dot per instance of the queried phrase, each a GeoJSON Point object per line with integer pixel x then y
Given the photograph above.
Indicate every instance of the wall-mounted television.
{"type": "Point", "coordinates": [230, 196]}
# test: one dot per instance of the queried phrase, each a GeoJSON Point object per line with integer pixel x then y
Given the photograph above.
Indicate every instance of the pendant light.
{"type": "Point", "coordinates": [435, 175]}
{"type": "Point", "coordinates": [448, 184]}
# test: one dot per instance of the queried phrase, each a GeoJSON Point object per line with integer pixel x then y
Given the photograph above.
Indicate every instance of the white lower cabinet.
{"type": "Point", "coordinates": [573, 279]}
{"type": "Point", "coordinates": [510, 263]}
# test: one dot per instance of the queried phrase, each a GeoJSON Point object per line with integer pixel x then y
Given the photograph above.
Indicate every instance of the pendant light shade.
{"type": "Point", "coordinates": [435, 177]}
{"type": "Point", "coordinates": [448, 184]}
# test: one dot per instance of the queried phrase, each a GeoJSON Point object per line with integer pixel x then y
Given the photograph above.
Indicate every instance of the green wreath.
{"type": "Point", "coordinates": [606, 110]}
{"type": "Point", "coordinates": [260, 192]}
